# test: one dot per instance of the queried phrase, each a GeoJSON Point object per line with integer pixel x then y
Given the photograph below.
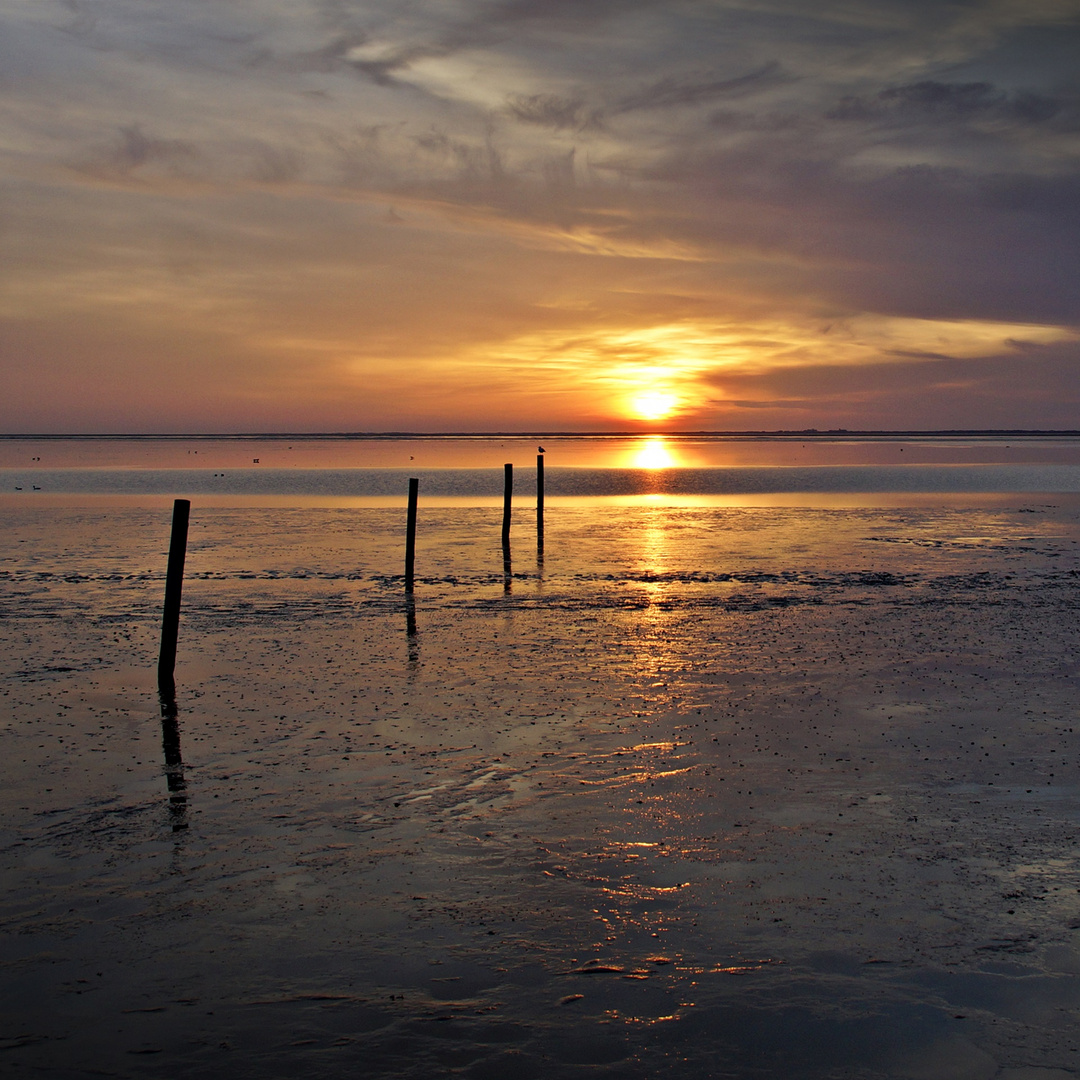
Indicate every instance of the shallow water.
{"type": "Point", "coordinates": [701, 450]}
{"type": "Point", "coordinates": [705, 792]}
{"type": "Point", "coordinates": [369, 472]}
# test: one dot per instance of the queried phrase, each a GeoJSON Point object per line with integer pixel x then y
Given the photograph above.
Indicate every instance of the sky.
{"type": "Point", "coordinates": [478, 215]}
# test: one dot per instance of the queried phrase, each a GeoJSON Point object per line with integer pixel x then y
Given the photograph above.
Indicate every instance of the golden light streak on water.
{"type": "Point", "coordinates": [654, 452]}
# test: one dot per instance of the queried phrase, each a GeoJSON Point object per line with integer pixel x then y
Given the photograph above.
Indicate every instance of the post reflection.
{"type": "Point", "coordinates": [507, 573]}
{"type": "Point", "coordinates": [174, 762]}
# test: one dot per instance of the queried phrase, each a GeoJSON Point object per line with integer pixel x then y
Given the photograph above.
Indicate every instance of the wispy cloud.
{"type": "Point", "coordinates": [674, 91]}
{"type": "Point", "coordinates": [547, 110]}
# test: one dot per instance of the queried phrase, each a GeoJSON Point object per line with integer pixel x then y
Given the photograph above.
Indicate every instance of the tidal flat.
{"type": "Point", "coordinates": [704, 792]}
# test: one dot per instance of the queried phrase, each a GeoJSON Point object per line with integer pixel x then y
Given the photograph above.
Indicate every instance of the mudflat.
{"type": "Point", "coordinates": [701, 792]}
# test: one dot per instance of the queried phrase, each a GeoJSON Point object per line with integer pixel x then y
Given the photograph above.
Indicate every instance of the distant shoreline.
{"type": "Point", "coordinates": [808, 433]}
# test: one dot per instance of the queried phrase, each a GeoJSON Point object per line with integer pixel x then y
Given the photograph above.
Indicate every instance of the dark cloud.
{"type": "Point", "coordinates": [277, 165]}
{"type": "Point", "coordinates": [133, 149]}
{"type": "Point", "coordinates": [577, 13]}
{"type": "Point", "coordinates": [931, 101]}
{"type": "Point", "coordinates": [683, 90]}
{"type": "Point", "coordinates": [1005, 390]}
{"type": "Point", "coordinates": [917, 354]}
{"type": "Point", "coordinates": [917, 240]}
{"type": "Point", "coordinates": [562, 113]}
{"type": "Point", "coordinates": [333, 56]}
{"type": "Point", "coordinates": [547, 110]}
{"type": "Point", "coordinates": [471, 161]}
{"type": "Point", "coordinates": [763, 123]}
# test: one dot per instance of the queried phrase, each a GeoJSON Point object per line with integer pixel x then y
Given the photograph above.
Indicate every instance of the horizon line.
{"type": "Point", "coordinates": [548, 434]}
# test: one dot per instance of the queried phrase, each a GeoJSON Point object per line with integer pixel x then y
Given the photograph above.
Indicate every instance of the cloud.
{"type": "Point", "coordinates": [937, 102]}
{"type": "Point", "coordinates": [569, 178]}
{"type": "Point", "coordinates": [674, 91]}
{"type": "Point", "coordinates": [1002, 391]}
{"type": "Point", "coordinates": [577, 14]}
{"type": "Point", "coordinates": [547, 110]}
{"type": "Point", "coordinates": [133, 149]}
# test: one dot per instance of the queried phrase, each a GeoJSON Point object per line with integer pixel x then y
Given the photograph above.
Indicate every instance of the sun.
{"type": "Point", "coordinates": [653, 404]}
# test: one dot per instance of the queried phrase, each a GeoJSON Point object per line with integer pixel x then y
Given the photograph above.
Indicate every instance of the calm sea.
{"type": "Point", "coordinates": [707, 468]}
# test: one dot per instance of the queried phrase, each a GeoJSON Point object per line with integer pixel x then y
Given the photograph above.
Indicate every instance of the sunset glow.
{"type": "Point", "coordinates": [698, 218]}
{"type": "Point", "coordinates": [653, 405]}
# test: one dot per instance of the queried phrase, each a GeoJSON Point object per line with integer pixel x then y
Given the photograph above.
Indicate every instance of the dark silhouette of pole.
{"type": "Point", "coordinates": [410, 533]}
{"type": "Point", "coordinates": [174, 584]}
{"type": "Point", "coordinates": [174, 762]}
{"type": "Point", "coordinates": [508, 497]}
{"type": "Point", "coordinates": [412, 637]}
{"type": "Point", "coordinates": [540, 502]}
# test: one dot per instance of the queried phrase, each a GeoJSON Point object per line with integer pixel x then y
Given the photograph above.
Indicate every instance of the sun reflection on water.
{"type": "Point", "coordinates": [654, 452]}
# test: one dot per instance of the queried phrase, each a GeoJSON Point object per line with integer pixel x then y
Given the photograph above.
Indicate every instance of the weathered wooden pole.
{"type": "Point", "coordinates": [508, 497]}
{"type": "Point", "coordinates": [174, 584]}
{"type": "Point", "coordinates": [410, 533]}
{"type": "Point", "coordinates": [540, 502]}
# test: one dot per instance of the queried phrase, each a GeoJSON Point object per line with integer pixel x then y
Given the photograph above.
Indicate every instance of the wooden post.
{"type": "Point", "coordinates": [508, 494]}
{"type": "Point", "coordinates": [410, 533]}
{"type": "Point", "coordinates": [540, 502]}
{"type": "Point", "coordinates": [174, 584]}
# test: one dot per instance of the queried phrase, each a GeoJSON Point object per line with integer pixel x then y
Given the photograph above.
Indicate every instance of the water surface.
{"type": "Point", "coordinates": [697, 790]}
{"type": "Point", "coordinates": [471, 469]}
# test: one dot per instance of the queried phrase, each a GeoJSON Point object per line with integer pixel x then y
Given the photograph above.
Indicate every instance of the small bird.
{"type": "Point", "coordinates": [541, 450]}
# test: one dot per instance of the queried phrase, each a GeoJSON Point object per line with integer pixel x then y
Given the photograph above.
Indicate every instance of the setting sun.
{"type": "Point", "coordinates": [653, 405]}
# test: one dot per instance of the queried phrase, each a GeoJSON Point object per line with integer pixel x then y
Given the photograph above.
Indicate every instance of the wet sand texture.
{"type": "Point", "coordinates": [707, 793]}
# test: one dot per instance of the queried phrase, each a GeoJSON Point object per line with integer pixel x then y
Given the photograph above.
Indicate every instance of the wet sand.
{"type": "Point", "coordinates": [709, 792]}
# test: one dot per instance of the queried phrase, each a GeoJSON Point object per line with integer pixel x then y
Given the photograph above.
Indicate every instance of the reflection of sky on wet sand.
{"type": "Point", "coordinates": [655, 651]}
{"type": "Point", "coordinates": [736, 788]}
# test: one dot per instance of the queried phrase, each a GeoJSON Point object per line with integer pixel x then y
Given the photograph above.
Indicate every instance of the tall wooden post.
{"type": "Point", "coordinates": [410, 533]}
{"type": "Point", "coordinates": [508, 496]}
{"type": "Point", "coordinates": [540, 502]}
{"type": "Point", "coordinates": [174, 584]}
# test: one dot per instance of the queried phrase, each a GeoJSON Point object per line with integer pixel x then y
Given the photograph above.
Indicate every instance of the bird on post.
{"type": "Point", "coordinates": [540, 450]}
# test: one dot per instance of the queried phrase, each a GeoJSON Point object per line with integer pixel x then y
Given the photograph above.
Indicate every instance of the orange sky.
{"type": "Point", "coordinates": [539, 215]}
